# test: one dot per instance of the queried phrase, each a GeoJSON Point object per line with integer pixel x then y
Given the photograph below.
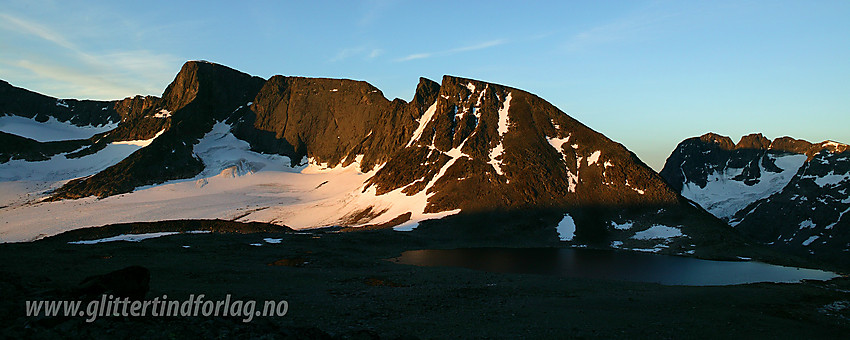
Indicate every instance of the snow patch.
{"type": "Point", "coordinates": [139, 143]}
{"type": "Point", "coordinates": [566, 228]}
{"type": "Point", "coordinates": [658, 232]}
{"type": "Point", "coordinates": [593, 157]}
{"type": "Point", "coordinates": [809, 240]}
{"type": "Point", "coordinates": [503, 126]}
{"type": "Point", "coordinates": [649, 250]}
{"type": "Point", "coordinates": [830, 179]}
{"type": "Point", "coordinates": [127, 237]}
{"type": "Point", "coordinates": [807, 224]}
{"type": "Point", "coordinates": [162, 114]}
{"type": "Point", "coordinates": [423, 121]}
{"type": "Point", "coordinates": [557, 143]}
{"type": "Point", "coordinates": [622, 226]}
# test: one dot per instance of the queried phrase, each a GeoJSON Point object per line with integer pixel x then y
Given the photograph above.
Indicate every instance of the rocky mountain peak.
{"type": "Point", "coordinates": [723, 142]}
{"type": "Point", "coordinates": [426, 92]}
{"type": "Point", "coordinates": [213, 84]}
{"type": "Point", "coordinates": [753, 141]}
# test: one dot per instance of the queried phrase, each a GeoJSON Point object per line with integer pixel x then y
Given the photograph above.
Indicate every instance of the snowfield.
{"type": "Point", "coordinates": [61, 168]}
{"type": "Point", "coordinates": [237, 184]}
{"type": "Point", "coordinates": [723, 196]}
{"type": "Point", "coordinates": [51, 130]}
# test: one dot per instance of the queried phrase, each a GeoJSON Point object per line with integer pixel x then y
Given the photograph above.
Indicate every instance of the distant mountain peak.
{"type": "Point", "coordinates": [788, 193]}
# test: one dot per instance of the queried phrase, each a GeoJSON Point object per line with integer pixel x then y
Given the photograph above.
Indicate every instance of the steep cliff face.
{"type": "Point", "coordinates": [331, 121]}
{"type": "Point", "coordinates": [788, 193]}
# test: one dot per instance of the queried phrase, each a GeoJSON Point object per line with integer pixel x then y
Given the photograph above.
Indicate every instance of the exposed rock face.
{"type": "Point", "coordinates": [484, 146]}
{"type": "Point", "coordinates": [788, 193]}
{"type": "Point", "coordinates": [332, 121]}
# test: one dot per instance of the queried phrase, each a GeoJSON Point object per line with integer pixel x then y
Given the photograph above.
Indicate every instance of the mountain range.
{"type": "Point", "coordinates": [462, 156]}
{"type": "Point", "coordinates": [786, 193]}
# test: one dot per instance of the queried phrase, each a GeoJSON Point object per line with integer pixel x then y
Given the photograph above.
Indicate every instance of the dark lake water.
{"type": "Point", "coordinates": [615, 265]}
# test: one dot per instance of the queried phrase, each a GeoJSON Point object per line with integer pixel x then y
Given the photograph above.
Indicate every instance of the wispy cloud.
{"type": "Point", "coordinates": [35, 29]}
{"type": "Point", "coordinates": [78, 72]}
{"type": "Point", "coordinates": [94, 85]}
{"type": "Point", "coordinates": [631, 28]}
{"type": "Point", "coordinates": [475, 47]}
{"type": "Point", "coordinates": [375, 53]}
{"type": "Point", "coordinates": [362, 52]}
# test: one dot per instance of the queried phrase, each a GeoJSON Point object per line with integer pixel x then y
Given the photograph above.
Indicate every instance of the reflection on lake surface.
{"type": "Point", "coordinates": [614, 265]}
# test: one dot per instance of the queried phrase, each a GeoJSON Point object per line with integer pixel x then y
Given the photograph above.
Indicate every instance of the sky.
{"type": "Point", "coordinates": [647, 74]}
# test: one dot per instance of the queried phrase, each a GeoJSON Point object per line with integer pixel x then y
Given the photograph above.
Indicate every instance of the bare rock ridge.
{"type": "Point", "coordinates": [787, 193]}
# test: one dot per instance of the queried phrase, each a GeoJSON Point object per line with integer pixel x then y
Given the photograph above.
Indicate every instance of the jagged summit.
{"type": "Point", "coordinates": [758, 141]}
{"type": "Point", "coordinates": [213, 84]}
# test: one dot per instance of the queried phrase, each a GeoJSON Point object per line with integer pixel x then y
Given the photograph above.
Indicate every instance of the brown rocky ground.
{"type": "Point", "coordinates": [339, 285]}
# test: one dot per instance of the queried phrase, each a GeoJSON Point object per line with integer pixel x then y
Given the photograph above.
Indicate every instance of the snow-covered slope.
{"type": "Point", "coordinates": [787, 193]}
{"type": "Point", "coordinates": [236, 184]}
{"type": "Point", "coordinates": [51, 130]}
{"type": "Point", "coordinates": [64, 166]}
{"type": "Point", "coordinates": [723, 195]}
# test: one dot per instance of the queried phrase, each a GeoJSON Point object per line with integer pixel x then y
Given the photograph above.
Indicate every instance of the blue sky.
{"type": "Point", "coordinates": [645, 73]}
